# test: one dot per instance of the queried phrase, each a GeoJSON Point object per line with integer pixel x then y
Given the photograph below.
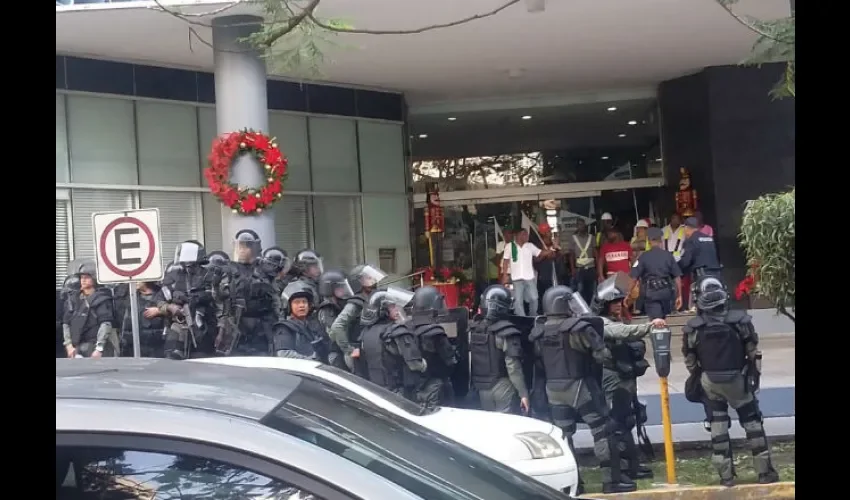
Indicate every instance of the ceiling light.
{"type": "Point", "coordinates": [632, 122]}
{"type": "Point", "coordinates": [452, 118]}
{"type": "Point", "coordinates": [604, 157]}
{"type": "Point", "coordinates": [526, 117]}
{"type": "Point", "coordinates": [620, 136]}
{"type": "Point", "coordinates": [423, 136]}
{"type": "Point", "coordinates": [533, 6]}
{"type": "Point", "coordinates": [658, 159]}
{"type": "Point", "coordinates": [612, 108]}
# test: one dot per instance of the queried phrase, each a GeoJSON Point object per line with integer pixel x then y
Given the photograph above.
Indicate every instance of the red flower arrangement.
{"type": "Point", "coordinates": [456, 275]}
{"type": "Point", "coordinates": [746, 286]}
{"type": "Point", "coordinates": [225, 149]}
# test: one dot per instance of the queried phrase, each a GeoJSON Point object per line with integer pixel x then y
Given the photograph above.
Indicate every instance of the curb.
{"type": "Point", "coordinates": [775, 491]}
{"type": "Point", "coordinates": [737, 444]}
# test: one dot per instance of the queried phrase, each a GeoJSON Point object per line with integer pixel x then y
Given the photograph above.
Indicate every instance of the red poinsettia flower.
{"type": "Point", "coordinates": [745, 287]}
{"type": "Point", "coordinates": [444, 273]}
{"type": "Point", "coordinates": [427, 274]}
{"type": "Point", "coordinates": [266, 196]}
{"type": "Point", "coordinates": [275, 187]}
{"type": "Point", "coordinates": [261, 142]}
{"type": "Point", "coordinates": [249, 203]}
{"type": "Point", "coordinates": [273, 157]}
{"type": "Point", "coordinates": [229, 196]}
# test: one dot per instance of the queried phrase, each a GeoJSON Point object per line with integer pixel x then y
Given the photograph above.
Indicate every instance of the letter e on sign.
{"type": "Point", "coordinates": [127, 246]}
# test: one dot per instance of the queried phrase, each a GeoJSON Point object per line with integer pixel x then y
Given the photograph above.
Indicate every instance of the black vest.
{"type": "Point", "coordinates": [718, 344]}
{"type": "Point", "coordinates": [87, 314]}
{"type": "Point", "coordinates": [560, 360]}
{"type": "Point", "coordinates": [430, 338]}
{"type": "Point", "coordinates": [488, 362]}
{"type": "Point", "coordinates": [375, 353]}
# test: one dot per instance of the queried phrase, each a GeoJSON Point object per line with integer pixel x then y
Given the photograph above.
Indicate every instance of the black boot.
{"type": "Point", "coordinates": [644, 472]}
{"type": "Point", "coordinates": [619, 487]}
{"type": "Point", "coordinates": [768, 478]}
{"type": "Point", "coordinates": [728, 482]}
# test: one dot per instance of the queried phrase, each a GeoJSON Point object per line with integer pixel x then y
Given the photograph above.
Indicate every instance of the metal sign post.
{"type": "Point", "coordinates": [128, 250]}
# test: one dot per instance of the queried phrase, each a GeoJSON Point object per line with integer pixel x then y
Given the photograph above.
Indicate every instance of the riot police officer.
{"type": "Point", "coordinates": [345, 330]}
{"type": "Point", "coordinates": [619, 377]}
{"type": "Point", "coordinates": [186, 302]}
{"type": "Point", "coordinates": [87, 323]}
{"type": "Point", "coordinates": [495, 350]}
{"type": "Point", "coordinates": [275, 262]}
{"type": "Point", "coordinates": [699, 253]}
{"type": "Point", "coordinates": [571, 347]}
{"type": "Point", "coordinates": [660, 277]}
{"type": "Point", "coordinates": [300, 335]}
{"type": "Point", "coordinates": [388, 347]}
{"type": "Point", "coordinates": [307, 267]}
{"type": "Point", "coordinates": [723, 345]}
{"type": "Point", "coordinates": [434, 387]}
{"type": "Point", "coordinates": [151, 324]}
{"type": "Point", "coordinates": [334, 291]}
{"type": "Point", "coordinates": [248, 305]}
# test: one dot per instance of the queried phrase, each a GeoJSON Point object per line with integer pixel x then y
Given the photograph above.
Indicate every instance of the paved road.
{"type": "Point", "coordinates": [774, 402]}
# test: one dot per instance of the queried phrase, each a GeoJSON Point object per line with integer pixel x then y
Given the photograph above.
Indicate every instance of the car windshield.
{"type": "Point", "coordinates": [398, 400]}
{"type": "Point", "coordinates": [417, 459]}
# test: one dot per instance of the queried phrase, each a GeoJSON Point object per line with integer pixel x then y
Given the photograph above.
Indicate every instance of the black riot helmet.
{"type": "Point", "coordinates": [611, 290]}
{"type": "Point", "coordinates": [86, 268]}
{"type": "Point", "coordinates": [308, 264]}
{"type": "Point", "coordinates": [190, 253]}
{"type": "Point", "coordinates": [247, 246]}
{"type": "Point", "coordinates": [333, 283]}
{"type": "Point", "coordinates": [710, 294]}
{"type": "Point", "coordinates": [218, 259]}
{"type": "Point", "coordinates": [429, 300]}
{"type": "Point", "coordinates": [562, 301]}
{"type": "Point", "coordinates": [496, 302]}
{"type": "Point", "coordinates": [365, 276]}
{"type": "Point", "coordinates": [386, 304]}
{"type": "Point", "coordinates": [71, 284]}
{"type": "Point", "coordinates": [296, 290]}
{"type": "Point", "coordinates": [275, 261]}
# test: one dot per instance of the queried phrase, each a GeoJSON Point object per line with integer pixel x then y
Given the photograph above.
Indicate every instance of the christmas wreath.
{"type": "Point", "coordinates": [446, 275]}
{"type": "Point", "coordinates": [245, 200]}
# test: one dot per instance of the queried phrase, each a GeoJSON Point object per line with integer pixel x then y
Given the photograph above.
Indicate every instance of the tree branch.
{"type": "Point", "coordinates": [414, 31]}
{"type": "Point", "coordinates": [727, 6]}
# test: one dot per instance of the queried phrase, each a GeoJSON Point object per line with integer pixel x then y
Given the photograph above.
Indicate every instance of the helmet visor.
{"type": "Point", "coordinates": [342, 289]}
{"type": "Point", "coordinates": [578, 306]}
{"type": "Point", "coordinates": [399, 296]}
{"type": "Point", "coordinates": [186, 253]}
{"type": "Point", "coordinates": [370, 276]}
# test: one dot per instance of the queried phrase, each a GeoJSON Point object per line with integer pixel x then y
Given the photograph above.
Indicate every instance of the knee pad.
{"type": "Point", "coordinates": [749, 413]}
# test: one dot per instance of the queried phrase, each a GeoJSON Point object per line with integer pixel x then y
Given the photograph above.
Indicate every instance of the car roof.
{"type": "Point", "coordinates": [271, 362]}
{"type": "Point", "coordinates": [244, 392]}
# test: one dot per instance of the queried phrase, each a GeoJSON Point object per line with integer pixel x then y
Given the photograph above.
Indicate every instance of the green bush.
{"type": "Point", "coordinates": [767, 237]}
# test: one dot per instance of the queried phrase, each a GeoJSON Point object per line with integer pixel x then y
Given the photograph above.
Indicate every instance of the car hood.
{"type": "Point", "coordinates": [488, 433]}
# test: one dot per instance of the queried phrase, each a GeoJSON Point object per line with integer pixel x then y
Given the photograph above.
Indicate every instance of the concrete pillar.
{"type": "Point", "coordinates": [240, 100]}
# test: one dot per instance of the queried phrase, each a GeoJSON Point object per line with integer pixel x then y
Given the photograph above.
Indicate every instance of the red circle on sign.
{"type": "Point", "coordinates": [112, 267]}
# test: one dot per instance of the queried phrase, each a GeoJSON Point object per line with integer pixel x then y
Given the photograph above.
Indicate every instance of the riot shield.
{"type": "Point", "coordinates": [456, 324]}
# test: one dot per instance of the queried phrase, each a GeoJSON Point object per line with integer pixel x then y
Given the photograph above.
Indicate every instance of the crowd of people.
{"type": "Point", "coordinates": [585, 259]}
{"type": "Point", "coordinates": [580, 364]}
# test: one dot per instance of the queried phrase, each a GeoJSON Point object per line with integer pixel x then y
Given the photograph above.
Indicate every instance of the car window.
{"type": "Point", "coordinates": [396, 399]}
{"type": "Point", "coordinates": [405, 453]}
{"type": "Point", "coordinates": [111, 474]}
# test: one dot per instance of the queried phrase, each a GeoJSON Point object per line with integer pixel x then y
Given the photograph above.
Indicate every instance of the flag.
{"type": "Point", "coordinates": [499, 235]}
{"type": "Point", "coordinates": [652, 215]}
{"type": "Point", "coordinates": [591, 213]}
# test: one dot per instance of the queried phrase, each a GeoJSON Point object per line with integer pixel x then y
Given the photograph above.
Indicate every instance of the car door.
{"type": "Point", "coordinates": [106, 467]}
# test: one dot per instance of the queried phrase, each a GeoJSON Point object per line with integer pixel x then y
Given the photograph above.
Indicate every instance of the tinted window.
{"type": "Point", "coordinates": [396, 399]}
{"type": "Point", "coordinates": [417, 459]}
{"type": "Point", "coordinates": [110, 474]}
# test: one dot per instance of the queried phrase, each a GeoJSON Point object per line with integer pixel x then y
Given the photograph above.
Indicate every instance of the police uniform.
{"type": "Point", "coordinates": [656, 269]}
{"type": "Point", "coordinates": [151, 342]}
{"type": "Point", "coordinates": [346, 327]}
{"type": "Point", "coordinates": [334, 289]}
{"type": "Point", "coordinates": [87, 324]}
{"type": "Point", "coordinates": [699, 254]}
{"type": "Point", "coordinates": [571, 347]}
{"type": "Point", "coordinates": [303, 338]}
{"type": "Point", "coordinates": [434, 387]}
{"type": "Point", "coordinates": [719, 346]}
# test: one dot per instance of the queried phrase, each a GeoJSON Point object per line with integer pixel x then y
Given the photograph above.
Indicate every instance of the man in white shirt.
{"type": "Point", "coordinates": [518, 261]}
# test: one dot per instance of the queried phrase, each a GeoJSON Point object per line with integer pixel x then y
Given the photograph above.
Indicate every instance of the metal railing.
{"type": "Point", "coordinates": [402, 278]}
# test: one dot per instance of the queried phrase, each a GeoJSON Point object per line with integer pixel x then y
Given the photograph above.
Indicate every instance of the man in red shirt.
{"type": "Point", "coordinates": [615, 256]}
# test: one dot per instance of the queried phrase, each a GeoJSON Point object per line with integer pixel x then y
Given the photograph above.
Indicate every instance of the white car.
{"type": "Point", "coordinates": [530, 446]}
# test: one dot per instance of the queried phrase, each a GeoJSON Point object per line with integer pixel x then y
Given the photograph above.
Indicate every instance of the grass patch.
{"type": "Point", "coordinates": [693, 467]}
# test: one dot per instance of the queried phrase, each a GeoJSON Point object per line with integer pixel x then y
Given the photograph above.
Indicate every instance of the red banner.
{"type": "Point", "coordinates": [435, 222]}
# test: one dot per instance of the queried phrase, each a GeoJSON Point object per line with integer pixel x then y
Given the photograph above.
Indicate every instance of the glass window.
{"type": "Point", "coordinates": [400, 401]}
{"type": "Point", "coordinates": [179, 218]}
{"type": "Point", "coordinates": [63, 245]}
{"type": "Point", "coordinates": [381, 157]}
{"type": "Point", "coordinates": [291, 134]}
{"type": "Point", "coordinates": [107, 474]}
{"type": "Point", "coordinates": [168, 144]}
{"type": "Point", "coordinates": [61, 141]}
{"type": "Point", "coordinates": [417, 459]}
{"type": "Point", "coordinates": [339, 237]}
{"type": "Point", "coordinates": [333, 150]}
{"type": "Point", "coordinates": [386, 223]}
{"type": "Point", "coordinates": [207, 131]}
{"type": "Point", "coordinates": [102, 140]}
{"type": "Point", "coordinates": [212, 224]}
{"type": "Point", "coordinates": [86, 202]}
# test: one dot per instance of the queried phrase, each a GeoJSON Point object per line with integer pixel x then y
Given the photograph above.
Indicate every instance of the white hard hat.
{"type": "Point", "coordinates": [607, 216]}
{"type": "Point", "coordinates": [642, 223]}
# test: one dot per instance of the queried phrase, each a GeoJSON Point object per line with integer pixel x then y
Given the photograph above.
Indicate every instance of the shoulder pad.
{"type": "Point", "coordinates": [694, 323]}
{"type": "Point", "coordinates": [287, 326]}
{"type": "Point", "coordinates": [503, 328]}
{"type": "Point", "coordinates": [736, 317]}
{"type": "Point", "coordinates": [395, 331]}
{"type": "Point", "coordinates": [327, 304]}
{"type": "Point", "coordinates": [100, 296]}
{"type": "Point", "coordinates": [575, 324]}
{"type": "Point", "coordinates": [357, 301]}
{"type": "Point", "coordinates": [430, 330]}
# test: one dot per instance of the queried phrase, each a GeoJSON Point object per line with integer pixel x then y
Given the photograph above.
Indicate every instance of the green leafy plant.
{"type": "Point", "coordinates": [768, 239]}
{"type": "Point", "coordinates": [775, 43]}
